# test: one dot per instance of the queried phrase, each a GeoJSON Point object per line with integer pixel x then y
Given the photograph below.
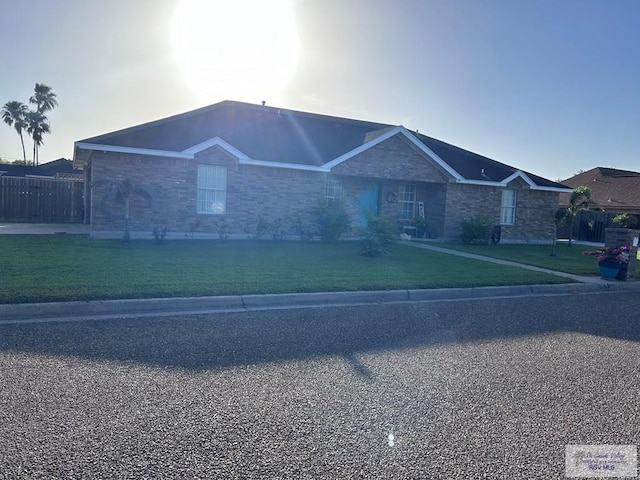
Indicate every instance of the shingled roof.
{"type": "Point", "coordinates": [288, 137]}
{"type": "Point", "coordinates": [611, 189]}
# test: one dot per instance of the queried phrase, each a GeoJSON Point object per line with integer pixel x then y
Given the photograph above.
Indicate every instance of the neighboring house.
{"type": "Point", "coordinates": [52, 192]}
{"type": "Point", "coordinates": [612, 190]}
{"type": "Point", "coordinates": [60, 168]}
{"type": "Point", "coordinates": [234, 165]}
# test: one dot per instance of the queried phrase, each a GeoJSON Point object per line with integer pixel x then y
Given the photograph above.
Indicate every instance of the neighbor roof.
{"type": "Point", "coordinates": [49, 169]}
{"type": "Point", "coordinates": [282, 137]}
{"type": "Point", "coordinates": [611, 189]}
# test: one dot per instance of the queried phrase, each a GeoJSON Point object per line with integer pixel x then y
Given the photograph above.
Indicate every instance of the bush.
{"type": "Point", "coordinates": [159, 234]}
{"type": "Point", "coordinates": [624, 220]}
{"type": "Point", "coordinates": [476, 230]}
{"type": "Point", "coordinates": [331, 218]}
{"type": "Point", "coordinates": [377, 237]}
{"type": "Point", "coordinates": [302, 228]}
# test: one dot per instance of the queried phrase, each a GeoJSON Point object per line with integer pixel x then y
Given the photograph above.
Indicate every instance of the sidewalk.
{"type": "Point", "coordinates": [577, 278]}
{"type": "Point", "coordinates": [156, 307]}
{"type": "Point", "coordinates": [43, 228]}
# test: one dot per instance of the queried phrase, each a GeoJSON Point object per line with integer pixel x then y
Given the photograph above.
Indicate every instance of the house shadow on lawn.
{"type": "Point", "coordinates": [219, 341]}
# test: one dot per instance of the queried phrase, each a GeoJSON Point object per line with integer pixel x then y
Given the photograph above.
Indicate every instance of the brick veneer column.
{"type": "Point", "coordinates": [616, 237]}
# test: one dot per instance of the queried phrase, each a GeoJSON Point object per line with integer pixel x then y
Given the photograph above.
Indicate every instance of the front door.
{"type": "Point", "coordinates": [368, 201]}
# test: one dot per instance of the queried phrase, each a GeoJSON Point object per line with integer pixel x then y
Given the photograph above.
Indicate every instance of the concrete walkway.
{"type": "Point", "coordinates": [577, 278]}
{"type": "Point", "coordinates": [100, 309]}
{"type": "Point", "coordinates": [43, 229]}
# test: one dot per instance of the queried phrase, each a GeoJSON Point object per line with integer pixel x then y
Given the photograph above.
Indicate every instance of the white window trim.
{"type": "Point", "coordinates": [508, 211]}
{"type": "Point", "coordinates": [402, 202]}
{"type": "Point", "coordinates": [335, 191]}
{"type": "Point", "coordinates": [219, 193]}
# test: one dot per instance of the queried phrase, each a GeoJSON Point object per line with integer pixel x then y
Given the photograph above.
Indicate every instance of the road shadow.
{"type": "Point", "coordinates": [218, 341]}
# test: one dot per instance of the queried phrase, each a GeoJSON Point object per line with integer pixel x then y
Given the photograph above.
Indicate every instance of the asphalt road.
{"type": "Point", "coordinates": [487, 388]}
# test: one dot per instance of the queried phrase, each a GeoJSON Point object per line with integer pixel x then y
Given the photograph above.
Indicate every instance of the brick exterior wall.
{"type": "Point", "coordinates": [617, 237]}
{"type": "Point", "coordinates": [253, 194]}
{"type": "Point", "coordinates": [269, 195]}
{"type": "Point", "coordinates": [393, 159]}
{"type": "Point", "coordinates": [392, 163]}
{"type": "Point", "coordinates": [535, 211]}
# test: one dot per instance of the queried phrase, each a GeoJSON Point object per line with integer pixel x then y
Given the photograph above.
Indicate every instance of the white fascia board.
{"type": "Point", "coordinates": [553, 189]}
{"type": "Point", "coordinates": [521, 175]}
{"type": "Point", "coordinates": [190, 154]}
{"type": "Point", "coordinates": [362, 148]}
{"type": "Point", "coordinates": [292, 166]}
{"type": "Point", "coordinates": [137, 151]}
{"type": "Point", "coordinates": [502, 183]}
{"type": "Point", "coordinates": [216, 141]}
{"type": "Point", "coordinates": [421, 146]}
{"type": "Point", "coordinates": [395, 131]}
{"type": "Point", "coordinates": [506, 181]}
{"type": "Point", "coordinates": [487, 183]}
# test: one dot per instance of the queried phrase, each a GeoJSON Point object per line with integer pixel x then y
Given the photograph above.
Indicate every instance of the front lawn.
{"type": "Point", "coordinates": [62, 268]}
{"type": "Point", "coordinates": [567, 259]}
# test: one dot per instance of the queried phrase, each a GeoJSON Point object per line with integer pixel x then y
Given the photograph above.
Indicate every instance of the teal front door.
{"type": "Point", "coordinates": [368, 201]}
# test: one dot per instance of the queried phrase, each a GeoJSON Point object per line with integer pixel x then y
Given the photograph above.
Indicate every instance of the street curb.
{"type": "Point", "coordinates": [38, 312]}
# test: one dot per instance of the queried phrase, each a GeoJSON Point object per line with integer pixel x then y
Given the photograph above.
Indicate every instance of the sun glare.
{"type": "Point", "coordinates": [235, 49]}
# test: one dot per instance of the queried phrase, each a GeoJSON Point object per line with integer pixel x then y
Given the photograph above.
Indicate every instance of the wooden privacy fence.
{"type": "Point", "coordinates": [45, 200]}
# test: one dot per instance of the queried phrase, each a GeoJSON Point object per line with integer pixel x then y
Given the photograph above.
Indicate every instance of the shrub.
{"type": "Point", "coordinates": [221, 226]}
{"type": "Point", "coordinates": [159, 234]}
{"type": "Point", "coordinates": [331, 218]}
{"type": "Point", "coordinates": [193, 227]}
{"type": "Point", "coordinates": [476, 230]}
{"type": "Point", "coordinates": [377, 237]}
{"type": "Point", "coordinates": [302, 228]}
{"type": "Point", "coordinates": [624, 220]}
{"type": "Point", "coordinates": [258, 231]}
{"type": "Point", "coordinates": [276, 229]}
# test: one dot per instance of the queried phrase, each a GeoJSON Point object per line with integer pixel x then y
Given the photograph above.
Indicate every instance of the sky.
{"type": "Point", "coordinates": [549, 87]}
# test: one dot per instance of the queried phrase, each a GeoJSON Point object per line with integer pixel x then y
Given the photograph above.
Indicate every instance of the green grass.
{"type": "Point", "coordinates": [63, 268]}
{"type": "Point", "coordinates": [567, 259]}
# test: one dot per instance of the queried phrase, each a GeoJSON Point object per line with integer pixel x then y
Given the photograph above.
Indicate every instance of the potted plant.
{"type": "Point", "coordinates": [610, 260]}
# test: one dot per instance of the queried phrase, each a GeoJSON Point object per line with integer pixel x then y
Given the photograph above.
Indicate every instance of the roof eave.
{"type": "Point", "coordinates": [399, 130]}
{"type": "Point", "coordinates": [191, 152]}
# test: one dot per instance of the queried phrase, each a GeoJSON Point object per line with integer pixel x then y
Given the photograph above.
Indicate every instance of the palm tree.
{"type": "Point", "coordinates": [14, 114]}
{"type": "Point", "coordinates": [121, 192]}
{"type": "Point", "coordinates": [43, 97]}
{"type": "Point", "coordinates": [37, 126]}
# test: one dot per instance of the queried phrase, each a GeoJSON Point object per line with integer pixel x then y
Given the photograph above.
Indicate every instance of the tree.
{"type": "Point", "coordinates": [580, 200]}
{"type": "Point", "coordinates": [43, 97]}
{"type": "Point", "coordinates": [45, 100]}
{"type": "Point", "coordinates": [37, 126]}
{"type": "Point", "coordinates": [121, 192]}
{"type": "Point", "coordinates": [14, 114]}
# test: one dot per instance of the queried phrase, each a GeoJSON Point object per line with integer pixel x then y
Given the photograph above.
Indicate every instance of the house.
{"type": "Point", "coordinates": [612, 190]}
{"type": "Point", "coordinates": [48, 193]}
{"type": "Point", "coordinates": [232, 166]}
{"type": "Point", "coordinates": [60, 168]}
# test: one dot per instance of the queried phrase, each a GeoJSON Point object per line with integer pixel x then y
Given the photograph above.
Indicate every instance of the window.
{"type": "Point", "coordinates": [212, 189]}
{"type": "Point", "coordinates": [334, 188]}
{"type": "Point", "coordinates": [508, 209]}
{"type": "Point", "coordinates": [407, 201]}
